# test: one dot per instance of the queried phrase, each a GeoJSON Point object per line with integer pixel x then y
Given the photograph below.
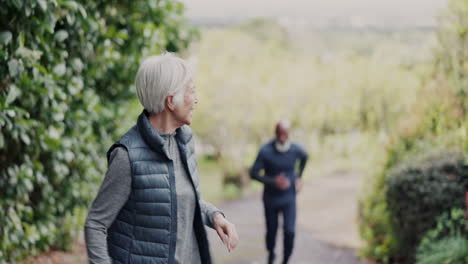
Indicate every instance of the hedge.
{"type": "Point", "coordinates": [66, 73]}
{"type": "Point", "coordinates": [446, 243]}
{"type": "Point", "coordinates": [419, 191]}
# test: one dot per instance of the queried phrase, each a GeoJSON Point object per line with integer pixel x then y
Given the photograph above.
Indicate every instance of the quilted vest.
{"type": "Point", "coordinates": [145, 229]}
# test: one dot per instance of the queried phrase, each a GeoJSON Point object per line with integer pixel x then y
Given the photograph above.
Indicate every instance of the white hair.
{"type": "Point", "coordinates": [160, 76]}
{"type": "Point", "coordinates": [284, 123]}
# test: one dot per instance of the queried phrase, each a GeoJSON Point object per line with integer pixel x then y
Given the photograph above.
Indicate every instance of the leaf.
{"type": "Point", "coordinates": [27, 10]}
{"type": "Point", "coordinates": [5, 37]}
{"type": "Point", "coordinates": [77, 65]}
{"type": "Point", "coordinates": [70, 18]}
{"type": "Point", "coordinates": [60, 69]}
{"type": "Point", "coordinates": [16, 109]}
{"type": "Point", "coordinates": [11, 113]}
{"type": "Point", "coordinates": [82, 11]}
{"type": "Point", "coordinates": [14, 67]}
{"type": "Point", "coordinates": [49, 23]}
{"type": "Point", "coordinates": [61, 35]}
{"type": "Point", "coordinates": [71, 4]}
{"type": "Point", "coordinates": [28, 184]}
{"type": "Point", "coordinates": [25, 138]}
{"type": "Point", "coordinates": [13, 93]}
{"type": "Point", "coordinates": [21, 39]}
{"type": "Point", "coordinates": [54, 133]}
{"type": "Point", "coordinates": [28, 54]}
{"type": "Point", "coordinates": [41, 68]}
{"type": "Point", "coordinates": [42, 5]}
{"type": "Point", "coordinates": [18, 3]}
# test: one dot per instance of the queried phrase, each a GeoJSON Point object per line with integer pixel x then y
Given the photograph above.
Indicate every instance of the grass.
{"type": "Point", "coordinates": [211, 183]}
{"type": "Point", "coordinates": [211, 180]}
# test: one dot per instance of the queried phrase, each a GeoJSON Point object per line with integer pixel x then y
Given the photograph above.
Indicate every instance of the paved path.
{"type": "Point", "coordinates": [328, 207]}
{"type": "Point", "coordinates": [326, 231]}
{"type": "Point", "coordinates": [332, 198]}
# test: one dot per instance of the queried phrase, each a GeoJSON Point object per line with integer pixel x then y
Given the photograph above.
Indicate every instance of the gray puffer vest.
{"type": "Point", "coordinates": [145, 229]}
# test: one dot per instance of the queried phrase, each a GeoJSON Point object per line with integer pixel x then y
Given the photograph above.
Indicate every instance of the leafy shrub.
{"type": "Point", "coordinates": [66, 69]}
{"type": "Point", "coordinates": [449, 224]}
{"type": "Point", "coordinates": [446, 243]}
{"type": "Point", "coordinates": [437, 121]}
{"type": "Point", "coordinates": [450, 250]}
{"type": "Point", "coordinates": [420, 190]}
{"type": "Point", "coordinates": [375, 224]}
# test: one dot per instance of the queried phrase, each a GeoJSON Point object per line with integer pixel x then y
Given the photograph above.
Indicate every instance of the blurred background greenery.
{"type": "Point", "coordinates": [389, 103]}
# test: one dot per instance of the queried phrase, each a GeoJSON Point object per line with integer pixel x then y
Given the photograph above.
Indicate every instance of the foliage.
{"type": "Point", "coordinates": [437, 122]}
{"type": "Point", "coordinates": [266, 30]}
{"type": "Point", "coordinates": [446, 243]}
{"type": "Point", "coordinates": [450, 250]}
{"type": "Point", "coordinates": [450, 224]}
{"type": "Point", "coordinates": [375, 225]}
{"type": "Point", "coordinates": [66, 69]}
{"type": "Point", "coordinates": [338, 99]}
{"type": "Point", "coordinates": [452, 54]}
{"type": "Point", "coordinates": [345, 94]}
{"type": "Point", "coordinates": [419, 190]}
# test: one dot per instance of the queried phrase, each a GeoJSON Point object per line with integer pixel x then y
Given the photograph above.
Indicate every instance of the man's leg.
{"type": "Point", "coordinates": [289, 227]}
{"type": "Point", "coordinates": [271, 217]}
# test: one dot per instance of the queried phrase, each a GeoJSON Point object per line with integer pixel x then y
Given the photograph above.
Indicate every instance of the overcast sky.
{"type": "Point", "coordinates": [424, 10]}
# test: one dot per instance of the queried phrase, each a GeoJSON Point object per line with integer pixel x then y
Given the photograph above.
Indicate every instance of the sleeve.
{"type": "Point", "coordinates": [208, 210]}
{"type": "Point", "coordinates": [257, 167]}
{"type": "Point", "coordinates": [208, 213]}
{"type": "Point", "coordinates": [303, 157]}
{"type": "Point", "coordinates": [112, 196]}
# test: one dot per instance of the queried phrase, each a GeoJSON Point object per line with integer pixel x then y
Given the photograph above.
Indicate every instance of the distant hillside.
{"type": "Point", "coordinates": [327, 24]}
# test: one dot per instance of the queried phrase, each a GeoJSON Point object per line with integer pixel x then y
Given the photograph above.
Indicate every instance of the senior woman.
{"type": "Point", "coordinates": [148, 208]}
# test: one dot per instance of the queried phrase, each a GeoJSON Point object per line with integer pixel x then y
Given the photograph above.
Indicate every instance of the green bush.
{"type": "Point", "coordinates": [66, 71]}
{"type": "Point", "coordinates": [449, 224]}
{"type": "Point", "coordinates": [438, 121]}
{"type": "Point", "coordinates": [375, 224]}
{"type": "Point", "coordinates": [446, 243]}
{"type": "Point", "coordinates": [451, 250]}
{"type": "Point", "coordinates": [420, 190]}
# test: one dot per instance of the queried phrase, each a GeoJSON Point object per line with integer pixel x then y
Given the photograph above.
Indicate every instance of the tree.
{"type": "Point", "coordinates": [66, 73]}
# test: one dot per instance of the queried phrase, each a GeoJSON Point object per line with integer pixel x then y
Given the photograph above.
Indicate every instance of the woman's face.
{"type": "Point", "coordinates": [183, 112]}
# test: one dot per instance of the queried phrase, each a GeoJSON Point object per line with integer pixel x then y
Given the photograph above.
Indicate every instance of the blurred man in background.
{"type": "Point", "coordinates": [276, 167]}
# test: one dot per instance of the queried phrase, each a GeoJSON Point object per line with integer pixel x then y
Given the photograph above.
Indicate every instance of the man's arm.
{"type": "Point", "coordinates": [303, 156]}
{"type": "Point", "coordinates": [112, 196]}
{"type": "Point", "coordinates": [257, 167]}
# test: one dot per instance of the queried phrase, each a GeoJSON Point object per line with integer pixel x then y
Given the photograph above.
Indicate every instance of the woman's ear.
{"type": "Point", "coordinates": [170, 102]}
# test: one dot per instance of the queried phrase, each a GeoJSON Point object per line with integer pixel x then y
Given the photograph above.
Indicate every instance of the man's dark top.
{"type": "Point", "coordinates": [274, 162]}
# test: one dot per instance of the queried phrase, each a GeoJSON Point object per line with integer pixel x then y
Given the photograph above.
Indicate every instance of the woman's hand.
{"type": "Point", "coordinates": [226, 231]}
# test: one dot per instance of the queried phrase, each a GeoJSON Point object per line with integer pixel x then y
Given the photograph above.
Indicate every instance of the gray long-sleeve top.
{"type": "Point", "coordinates": [114, 193]}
